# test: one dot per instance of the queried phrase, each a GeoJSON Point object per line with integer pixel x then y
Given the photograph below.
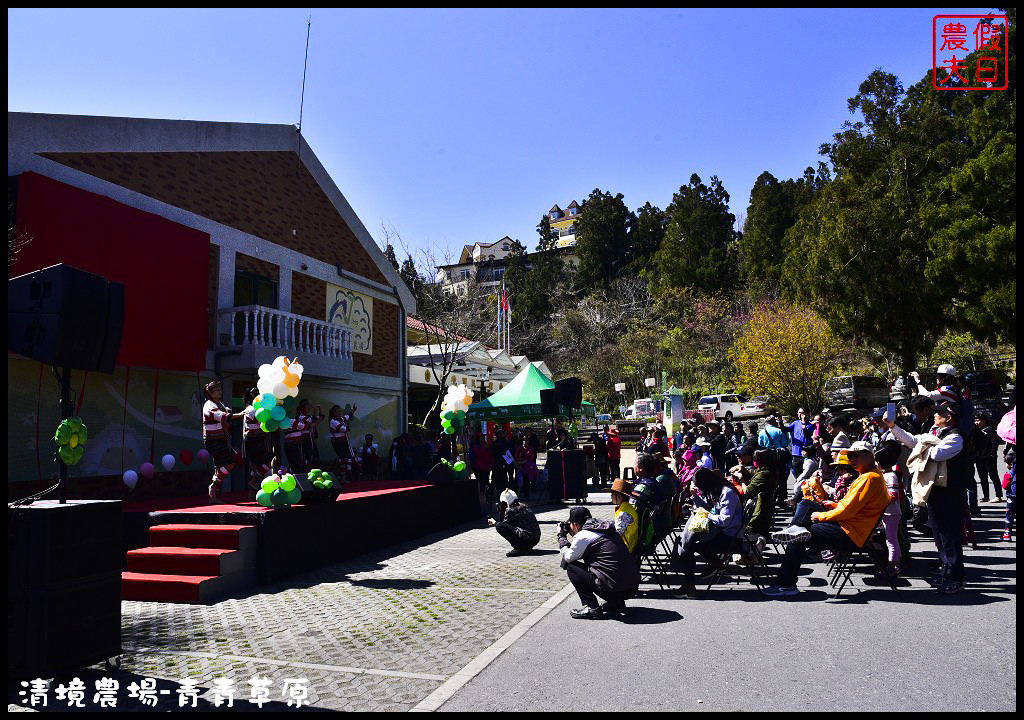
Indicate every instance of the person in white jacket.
{"type": "Point", "coordinates": [946, 505]}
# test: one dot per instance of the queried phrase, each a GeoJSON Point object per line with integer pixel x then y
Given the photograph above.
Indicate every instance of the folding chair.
{"type": "Point", "coordinates": [657, 567]}
{"type": "Point", "coordinates": [743, 547]}
{"type": "Point", "coordinates": [845, 562]}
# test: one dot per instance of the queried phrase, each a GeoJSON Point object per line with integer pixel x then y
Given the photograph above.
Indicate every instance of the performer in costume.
{"type": "Point", "coordinates": [217, 436]}
{"type": "Point", "coordinates": [338, 427]}
{"type": "Point", "coordinates": [294, 437]}
{"type": "Point", "coordinates": [257, 449]}
{"type": "Point", "coordinates": [308, 417]}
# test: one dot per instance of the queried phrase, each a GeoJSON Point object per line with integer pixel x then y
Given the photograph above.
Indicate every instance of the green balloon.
{"type": "Point", "coordinates": [288, 483]}
{"type": "Point", "coordinates": [263, 415]}
{"type": "Point", "coordinates": [279, 498]}
{"type": "Point", "coordinates": [318, 484]}
{"type": "Point", "coordinates": [460, 414]}
{"type": "Point", "coordinates": [278, 413]}
{"type": "Point", "coordinates": [459, 466]}
{"type": "Point", "coordinates": [263, 498]}
{"type": "Point", "coordinates": [285, 423]}
{"type": "Point", "coordinates": [294, 495]}
{"type": "Point", "coordinates": [268, 400]}
{"type": "Point", "coordinates": [289, 404]}
{"type": "Point", "coordinates": [449, 415]}
{"type": "Point", "coordinates": [328, 484]}
{"type": "Point", "coordinates": [269, 485]}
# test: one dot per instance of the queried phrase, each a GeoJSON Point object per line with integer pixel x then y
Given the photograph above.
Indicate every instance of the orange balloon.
{"type": "Point", "coordinates": [291, 380]}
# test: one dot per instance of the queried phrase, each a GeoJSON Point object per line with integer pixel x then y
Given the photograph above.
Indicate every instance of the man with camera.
{"type": "Point", "coordinates": [598, 564]}
{"type": "Point", "coordinates": [516, 523]}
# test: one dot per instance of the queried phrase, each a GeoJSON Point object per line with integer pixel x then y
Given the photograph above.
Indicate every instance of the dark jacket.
{"type": "Point", "coordinates": [522, 517]}
{"type": "Point", "coordinates": [762, 486]}
{"type": "Point", "coordinates": [602, 551]}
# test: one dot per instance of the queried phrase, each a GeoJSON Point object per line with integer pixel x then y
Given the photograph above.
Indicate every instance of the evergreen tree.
{"type": "Point", "coordinates": [647, 231]}
{"type": "Point", "coordinates": [602, 239]}
{"type": "Point", "coordinates": [699, 248]}
{"type": "Point", "coordinates": [389, 253]}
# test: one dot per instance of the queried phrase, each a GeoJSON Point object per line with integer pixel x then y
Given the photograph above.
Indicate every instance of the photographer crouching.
{"type": "Point", "coordinates": [516, 523]}
{"type": "Point", "coordinates": [598, 564]}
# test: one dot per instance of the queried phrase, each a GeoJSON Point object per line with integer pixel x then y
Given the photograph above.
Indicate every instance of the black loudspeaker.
{"type": "Point", "coordinates": [548, 406]}
{"type": "Point", "coordinates": [566, 479]}
{"type": "Point", "coordinates": [440, 474]}
{"type": "Point", "coordinates": [63, 586]}
{"type": "Point", "coordinates": [65, 317]}
{"type": "Point", "coordinates": [569, 392]}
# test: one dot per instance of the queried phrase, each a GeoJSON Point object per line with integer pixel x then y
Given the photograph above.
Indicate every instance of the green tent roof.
{"type": "Point", "coordinates": [519, 400]}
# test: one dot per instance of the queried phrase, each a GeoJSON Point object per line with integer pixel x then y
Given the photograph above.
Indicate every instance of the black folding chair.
{"type": "Point", "coordinates": [745, 548]}
{"type": "Point", "coordinates": [871, 555]}
{"type": "Point", "coordinates": [646, 552]}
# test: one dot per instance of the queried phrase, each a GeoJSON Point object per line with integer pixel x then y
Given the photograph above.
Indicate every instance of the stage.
{"type": "Point", "coordinates": [283, 541]}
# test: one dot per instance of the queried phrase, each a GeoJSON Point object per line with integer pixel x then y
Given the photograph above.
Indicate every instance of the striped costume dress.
{"type": "Point", "coordinates": [293, 442]}
{"type": "Point", "coordinates": [256, 447]}
{"type": "Point", "coordinates": [216, 436]}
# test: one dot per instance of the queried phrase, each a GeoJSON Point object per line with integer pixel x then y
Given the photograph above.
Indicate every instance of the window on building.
{"type": "Point", "coordinates": [499, 273]}
{"type": "Point", "coordinates": [573, 211]}
{"type": "Point", "coordinates": [253, 289]}
{"type": "Point", "coordinates": [465, 275]}
{"type": "Point", "coordinates": [504, 247]}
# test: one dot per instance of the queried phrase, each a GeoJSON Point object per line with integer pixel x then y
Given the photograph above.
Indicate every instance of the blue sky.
{"type": "Point", "coordinates": [458, 126]}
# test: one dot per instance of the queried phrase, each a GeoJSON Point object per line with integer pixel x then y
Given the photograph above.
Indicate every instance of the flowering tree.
{"type": "Point", "coordinates": [788, 352]}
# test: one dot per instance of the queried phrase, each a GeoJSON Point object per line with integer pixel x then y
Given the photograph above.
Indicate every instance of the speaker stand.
{"type": "Point", "coordinates": [64, 379]}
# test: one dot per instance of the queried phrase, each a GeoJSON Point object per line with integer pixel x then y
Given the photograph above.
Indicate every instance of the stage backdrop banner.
{"type": "Point", "coordinates": [164, 266]}
{"type": "Point", "coordinates": [347, 307]}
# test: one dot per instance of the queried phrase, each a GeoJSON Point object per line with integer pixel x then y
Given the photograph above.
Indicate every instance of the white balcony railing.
{"type": "Point", "coordinates": [255, 325]}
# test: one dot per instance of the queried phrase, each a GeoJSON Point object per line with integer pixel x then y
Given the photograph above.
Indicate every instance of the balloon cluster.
{"type": "Point", "coordinates": [321, 480]}
{"type": "Point", "coordinates": [279, 491]}
{"type": "Point", "coordinates": [459, 469]}
{"type": "Point", "coordinates": [278, 386]}
{"type": "Point", "coordinates": [454, 407]}
{"type": "Point", "coordinates": [70, 437]}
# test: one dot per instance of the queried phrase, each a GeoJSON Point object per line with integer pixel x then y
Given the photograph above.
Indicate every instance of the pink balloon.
{"type": "Point", "coordinates": [203, 455]}
{"type": "Point", "coordinates": [146, 470]}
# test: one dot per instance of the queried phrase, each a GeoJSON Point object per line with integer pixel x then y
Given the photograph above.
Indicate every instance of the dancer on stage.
{"type": "Point", "coordinates": [217, 436]}
{"type": "Point", "coordinates": [339, 440]}
{"type": "Point", "coordinates": [293, 439]}
{"type": "Point", "coordinates": [257, 449]}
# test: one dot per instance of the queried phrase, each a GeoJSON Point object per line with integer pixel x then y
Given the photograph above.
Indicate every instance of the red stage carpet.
{"type": "Point", "coordinates": [199, 552]}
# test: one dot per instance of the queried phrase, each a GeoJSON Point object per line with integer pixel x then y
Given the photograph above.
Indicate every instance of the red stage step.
{"type": "Point", "coordinates": [191, 563]}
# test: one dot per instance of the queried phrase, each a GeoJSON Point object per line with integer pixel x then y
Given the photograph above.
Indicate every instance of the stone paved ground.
{"type": "Point", "coordinates": [380, 632]}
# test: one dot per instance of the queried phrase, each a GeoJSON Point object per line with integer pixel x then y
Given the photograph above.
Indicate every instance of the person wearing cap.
{"type": "Point", "coordinates": [809, 469]}
{"type": "Point", "coordinates": [847, 526]}
{"type": "Point", "coordinates": [945, 390]}
{"type": "Point", "coordinates": [945, 504]}
{"type": "Point", "coordinates": [817, 497]}
{"type": "Point", "coordinates": [598, 564]}
{"type": "Point", "coordinates": [627, 523]}
{"type": "Point", "coordinates": [689, 467]}
{"type": "Point", "coordinates": [741, 473]}
{"type": "Point", "coordinates": [516, 523]}
{"type": "Point", "coordinates": [704, 445]}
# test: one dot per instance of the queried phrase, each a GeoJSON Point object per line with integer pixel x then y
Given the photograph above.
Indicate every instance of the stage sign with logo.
{"type": "Point", "coordinates": [347, 307]}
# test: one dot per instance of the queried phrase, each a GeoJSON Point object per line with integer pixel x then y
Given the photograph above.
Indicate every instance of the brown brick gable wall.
{"type": "Point", "coordinates": [309, 299]}
{"type": "Point", "coordinates": [266, 194]}
{"type": "Point", "coordinates": [247, 263]}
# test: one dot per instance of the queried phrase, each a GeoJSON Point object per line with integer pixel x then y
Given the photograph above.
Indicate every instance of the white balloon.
{"type": "Point", "coordinates": [293, 392]}
{"type": "Point", "coordinates": [130, 478]}
{"type": "Point", "coordinates": [265, 370]}
{"type": "Point", "coordinates": [277, 376]}
{"type": "Point", "coordinates": [279, 362]}
{"type": "Point", "coordinates": [296, 370]}
{"type": "Point", "coordinates": [167, 461]}
{"type": "Point", "coordinates": [280, 390]}
{"type": "Point", "coordinates": [265, 386]}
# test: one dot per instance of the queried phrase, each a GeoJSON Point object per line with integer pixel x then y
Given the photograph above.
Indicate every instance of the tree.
{"type": "Point", "coordinates": [646, 234]}
{"type": "Point", "coordinates": [699, 248]}
{"type": "Point", "coordinates": [389, 253]}
{"type": "Point", "coordinates": [774, 207]}
{"type": "Point", "coordinates": [602, 239]}
{"type": "Point", "coordinates": [789, 352]}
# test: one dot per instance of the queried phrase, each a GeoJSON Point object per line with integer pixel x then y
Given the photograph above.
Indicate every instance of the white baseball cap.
{"type": "Point", "coordinates": [946, 369]}
{"type": "Point", "coordinates": [509, 498]}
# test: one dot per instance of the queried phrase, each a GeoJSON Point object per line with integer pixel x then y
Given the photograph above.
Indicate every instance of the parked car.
{"type": "Point", "coordinates": [855, 392]}
{"type": "Point", "coordinates": [987, 384]}
{"type": "Point", "coordinates": [727, 407]}
{"type": "Point", "coordinates": [603, 420]}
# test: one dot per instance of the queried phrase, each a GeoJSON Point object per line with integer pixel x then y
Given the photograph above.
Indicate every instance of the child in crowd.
{"type": "Point", "coordinates": [1010, 486]}
{"type": "Point", "coordinates": [887, 456]}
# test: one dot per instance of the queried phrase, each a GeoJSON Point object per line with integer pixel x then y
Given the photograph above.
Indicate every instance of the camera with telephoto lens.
{"type": "Point", "coordinates": [563, 528]}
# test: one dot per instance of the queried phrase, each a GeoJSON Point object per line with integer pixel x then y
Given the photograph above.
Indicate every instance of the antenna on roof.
{"type": "Point", "coordinates": [302, 99]}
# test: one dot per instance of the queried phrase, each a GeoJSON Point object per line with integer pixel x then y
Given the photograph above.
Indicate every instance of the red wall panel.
{"type": "Point", "coordinates": [164, 266]}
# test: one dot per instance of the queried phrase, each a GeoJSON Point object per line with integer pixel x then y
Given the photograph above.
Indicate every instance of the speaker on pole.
{"type": "Point", "coordinates": [548, 406]}
{"type": "Point", "coordinates": [65, 317]}
{"type": "Point", "coordinates": [569, 392]}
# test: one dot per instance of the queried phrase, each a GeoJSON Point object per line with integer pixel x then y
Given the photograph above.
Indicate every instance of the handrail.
{"type": "Point", "coordinates": [263, 326]}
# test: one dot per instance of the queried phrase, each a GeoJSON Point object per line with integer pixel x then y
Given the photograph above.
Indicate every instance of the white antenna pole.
{"type": "Point", "coordinates": [302, 100]}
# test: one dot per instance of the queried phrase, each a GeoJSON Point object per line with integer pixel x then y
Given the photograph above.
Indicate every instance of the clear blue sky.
{"type": "Point", "coordinates": [458, 126]}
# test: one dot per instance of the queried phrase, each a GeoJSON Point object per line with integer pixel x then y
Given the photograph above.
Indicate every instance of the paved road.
{"type": "Point", "coordinates": [733, 650]}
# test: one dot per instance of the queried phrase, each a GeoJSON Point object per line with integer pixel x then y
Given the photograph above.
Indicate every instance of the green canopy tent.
{"type": "Point", "coordinates": [589, 409]}
{"type": "Point", "coordinates": [519, 401]}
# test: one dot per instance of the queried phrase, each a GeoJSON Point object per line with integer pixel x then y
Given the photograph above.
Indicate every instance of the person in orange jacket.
{"type": "Point", "coordinates": [847, 526]}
